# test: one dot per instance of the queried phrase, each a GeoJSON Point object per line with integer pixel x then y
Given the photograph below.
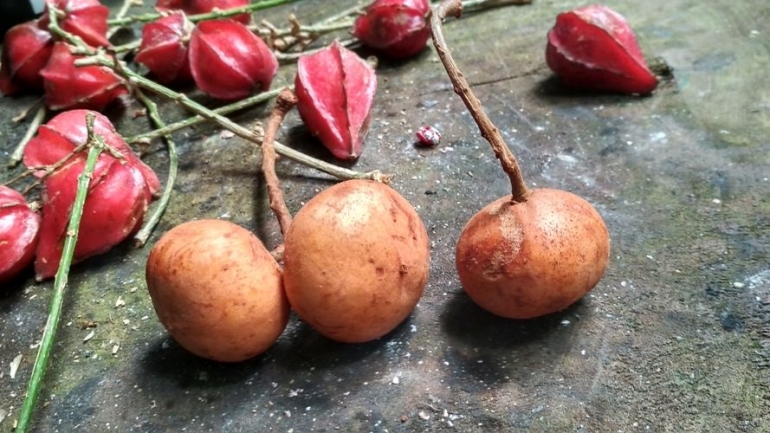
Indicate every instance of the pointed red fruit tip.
{"type": "Point", "coordinates": [164, 48]}
{"type": "Point", "coordinates": [68, 86]}
{"type": "Point", "coordinates": [594, 48]}
{"type": "Point", "coordinates": [335, 90]}
{"type": "Point", "coordinates": [26, 50]}
{"type": "Point", "coordinates": [19, 227]}
{"type": "Point", "coordinates": [228, 61]}
{"type": "Point", "coordinates": [84, 18]}
{"type": "Point", "coordinates": [395, 28]}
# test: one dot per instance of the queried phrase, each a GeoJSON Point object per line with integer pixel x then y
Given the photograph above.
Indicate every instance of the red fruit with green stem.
{"type": "Point", "coordinates": [69, 87]}
{"type": "Point", "coordinates": [118, 195]}
{"type": "Point", "coordinates": [395, 28]}
{"type": "Point", "coordinates": [335, 90]}
{"type": "Point", "coordinates": [84, 18]}
{"type": "Point", "coordinates": [164, 48]}
{"type": "Point", "coordinates": [19, 227]}
{"type": "Point", "coordinates": [26, 50]}
{"type": "Point", "coordinates": [594, 48]}
{"type": "Point", "coordinates": [228, 61]}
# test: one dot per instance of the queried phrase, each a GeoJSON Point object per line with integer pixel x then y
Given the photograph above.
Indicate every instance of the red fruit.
{"type": "Point", "coordinates": [397, 28]}
{"type": "Point", "coordinates": [113, 210]}
{"type": "Point", "coordinates": [164, 48]}
{"type": "Point", "coordinates": [195, 7]}
{"type": "Point", "coordinates": [18, 233]}
{"type": "Point", "coordinates": [228, 61]}
{"type": "Point", "coordinates": [594, 48]}
{"type": "Point", "coordinates": [26, 49]}
{"type": "Point", "coordinates": [62, 134]}
{"type": "Point", "coordinates": [335, 89]}
{"type": "Point", "coordinates": [68, 87]}
{"type": "Point", "coordinates": [84, 18]}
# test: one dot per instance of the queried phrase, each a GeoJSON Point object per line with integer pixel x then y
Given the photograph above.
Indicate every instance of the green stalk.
{"type": "Point", "coordinates": [190, 121]}
{"type": "Point", "coordinates": [224, 122]}
{"type": "Point", "coordinates": [60, 281]}
{"type": "Point", "coordinates": [266, 4]}
{"type": "Point", "coordinates": [142, 235]}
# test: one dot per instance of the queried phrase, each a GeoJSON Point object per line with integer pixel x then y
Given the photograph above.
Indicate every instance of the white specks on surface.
{"type": "Point", "coordinates": [716, 201]}
{"type": "Point", "coordinates": [89, 336]}
{"type": "Point", "coordinates": [15, 365]}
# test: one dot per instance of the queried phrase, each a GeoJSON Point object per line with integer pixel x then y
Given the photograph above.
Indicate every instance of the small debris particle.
{"type": "Point", "coordinates": [89, 336]}
{"type": "Point", "coordinates": [294, 392]}
{"type": "Point", "coordinates": [115, 349]}
{"type": "Point", "coordinates": [120, 302]}
{"type": "Point", "coordinates": [423, 415]}
{"type": "Point", "coordinates": [287, 413]}
{"type": "Point", "coordinates": [226, 135]}
{"type": "Point", "coordinates": [428, 136]}
{"type": "Point", "coordinates": [565, 322]}
{"type": "Point", "coordinates": [404, 418]}
{"type": "Point", "coordinates": [396, 380]}
{"type": "Point", "coordinates": [3, 414]}
{"type": "Point", "coordinates": [738, 285]}
{"type": "Point", "coordinates": [15, 365]}
{"type": "Point", "coordinates": [133, 289]}
{"type": "Point", "coordinates": [85, 324]}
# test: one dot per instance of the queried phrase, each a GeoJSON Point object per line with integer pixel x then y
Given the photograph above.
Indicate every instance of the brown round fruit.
{"type": "Point", "coordinates": [217, 290]}
{"type": "Point", "coordinates": [533, 258]}
{"type": "Point", "coordinates": [356, 261]}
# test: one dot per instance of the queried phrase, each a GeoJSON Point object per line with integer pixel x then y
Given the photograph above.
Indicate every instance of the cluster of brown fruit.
{"type": "Point", "coordinates": [356, 259]}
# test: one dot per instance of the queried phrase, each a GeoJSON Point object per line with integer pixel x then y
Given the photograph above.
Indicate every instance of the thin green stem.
{"type": "Point", "coordinates": [60, 280]}
{"type": "Point", "coordinates": [190, 121]}
{"type": "Point", "coordinates": [121, 13]}
{"type": "Point", "coordinates": [480, 5]}
{"type": "Point", "coordinates": [18, 153]}
{"type": "Point", "coordinates": [142, 235]}
{"type": "Point", "coordinates": [217, 14]}
{"type": "Point", "coordinates": [182, 99]}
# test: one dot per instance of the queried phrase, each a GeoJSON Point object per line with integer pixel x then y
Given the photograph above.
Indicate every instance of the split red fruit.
{"type": "Point", "coordinates": [594, 48]}
{"type": "Point", "coordinates": [118, 195]}
{"type": "Point", "coordinates": [68, 86]}
{"type": "Point", "coordinates": [84, 18]}
{"type": "Point", "coordinates": [396, 28]}
{"type": "Point", "coordinates": [335, 90]}
{"type": "Point", "coordinates": [228, 61]}
{"type": "Point", "coordinates": [18, 233]}
{"type": "Point", "coordinates": [164, 48]}
{"type": "Point", "coordinates": [26, 50]}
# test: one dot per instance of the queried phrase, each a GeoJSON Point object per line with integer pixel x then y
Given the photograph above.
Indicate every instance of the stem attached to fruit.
{"type": "Point", "coordinates": [488, 130]}
{"type": "Point", "coordinates": [96, 145]}
{"type": "Point", "coordinates": [285, 101]}
{"type": "Point", "coordinates": [217, 14]}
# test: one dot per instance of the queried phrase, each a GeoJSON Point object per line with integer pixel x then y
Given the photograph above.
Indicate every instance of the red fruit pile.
{"type": "Point", "coordinates": [224, 58]}
{"type": "Point", "coordinates": [18, 233]}
{"type": "Point", "coordinates": [31, 62]}
{"type": "Point", "coordinates": [396, 28]}
{"type": "Point", "coordinates": [118, 195]}
{"type": "Point", "coordinates": [594, 48]}
{"type": "Point", "coordinates": [335, 89]}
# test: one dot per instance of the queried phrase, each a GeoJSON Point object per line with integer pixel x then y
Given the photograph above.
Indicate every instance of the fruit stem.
{"type": "Point", "coordinates": [479, 5]}
{"type": "Point", "coordinates": [140, 238]}
{"type": "Point", "coordinates": [217, 14]}
{"type": "Point", "coordinates": [285, 101]}
{"type": "Point", "coordinates": [18, 153]}
{"type": "Point", "coordinates": [183, 100]}
{"type": "Point", "coordinates": [194, 120]}
{"type": "Point", "coordinates": [489, 131]}
{"type": "Point", "coordinates": [96, 146]}
{"type": "Point", "coordinates": [121, 13]}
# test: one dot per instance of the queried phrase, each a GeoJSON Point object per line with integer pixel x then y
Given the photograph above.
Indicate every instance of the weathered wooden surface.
{"type": "Point", "coordinates": [676, 337]}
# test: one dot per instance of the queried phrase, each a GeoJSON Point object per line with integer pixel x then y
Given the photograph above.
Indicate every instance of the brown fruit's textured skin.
{"type": "Point", "coordinates": [356, 261]}
{"type": "Point", "coordinates": [533, 258]}
{"type": "Point", "coordinates": [217, 290]}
